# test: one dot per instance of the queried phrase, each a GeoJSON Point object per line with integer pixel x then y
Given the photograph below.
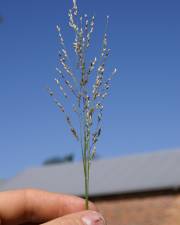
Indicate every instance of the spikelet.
{"type": "Point", "coordinates": [74, 134]}
{"type": "Point", "coordinates": [90, 31]}
{"type": "Point", "coordinates": [61, 88]}
{"type": "Point", "coordinates": [91, 67]}
{"type": "Point", "coordinates": [75, 8]}
{"type": "Point", "coordinates": [59, 105]}
{"type": "Point", "coordinates": [67, 82]}
{"type": "Point", "coordinates": [50, 92]}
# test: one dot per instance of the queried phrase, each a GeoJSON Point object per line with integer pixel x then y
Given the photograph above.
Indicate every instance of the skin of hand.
{"type": "Point", "coordinates": [33, 207]}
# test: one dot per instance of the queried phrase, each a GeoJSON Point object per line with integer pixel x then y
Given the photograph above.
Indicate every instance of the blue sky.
{"type": "Point", "coordinates": [141, 114]}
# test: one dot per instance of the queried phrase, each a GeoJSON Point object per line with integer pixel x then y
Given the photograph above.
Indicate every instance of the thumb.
{"type": "Point", "coordinates": [81, 218]}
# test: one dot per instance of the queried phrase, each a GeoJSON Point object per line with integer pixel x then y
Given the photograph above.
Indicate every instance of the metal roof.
{"type": "Point", "coordinates": [128, 174]}
{"type": "Point", "coordinates": [2, 181]}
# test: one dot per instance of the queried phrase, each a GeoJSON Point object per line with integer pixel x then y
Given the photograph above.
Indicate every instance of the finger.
{"type": "Point", "coordinates": [80, 218]}
{"type": "Point", "coordinates": [36, 206]}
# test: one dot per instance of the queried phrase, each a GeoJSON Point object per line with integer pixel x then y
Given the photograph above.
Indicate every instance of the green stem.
{"type": "Point", "coordinates": [86, 171]}
{"type": "Point", "coordinates": [86, 194]}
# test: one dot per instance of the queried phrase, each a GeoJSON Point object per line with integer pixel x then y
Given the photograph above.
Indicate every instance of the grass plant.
{"type": "Point", "coordinates": [87, 86]}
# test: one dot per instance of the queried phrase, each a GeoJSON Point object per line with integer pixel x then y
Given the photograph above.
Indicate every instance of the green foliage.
{"type": "Point", "coordinates": [59, 160]}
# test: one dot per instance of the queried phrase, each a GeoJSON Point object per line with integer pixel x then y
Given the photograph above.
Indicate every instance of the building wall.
{"type": "Point", "coordinates": [148, 210]}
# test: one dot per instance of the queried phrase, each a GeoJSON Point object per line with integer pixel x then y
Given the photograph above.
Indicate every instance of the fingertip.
{"type": "Point", "coordinates": [87, 217]}
{"type": "Point", "coordinates": [93, 207]}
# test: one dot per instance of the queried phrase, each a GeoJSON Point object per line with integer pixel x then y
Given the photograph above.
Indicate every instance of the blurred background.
{"type": "Point", "coordinates": [142, 112]}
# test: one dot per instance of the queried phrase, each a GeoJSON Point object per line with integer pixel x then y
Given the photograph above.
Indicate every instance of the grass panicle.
{"type": "Point", "coordinates": [87, 86]}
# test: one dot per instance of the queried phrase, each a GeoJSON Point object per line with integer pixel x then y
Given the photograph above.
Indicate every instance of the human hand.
{"type": "Point", "coordinates": [33, 207]}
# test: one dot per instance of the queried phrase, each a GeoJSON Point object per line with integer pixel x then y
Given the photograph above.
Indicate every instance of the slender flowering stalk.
{"type": "Point", "coordinates": [76, 85]}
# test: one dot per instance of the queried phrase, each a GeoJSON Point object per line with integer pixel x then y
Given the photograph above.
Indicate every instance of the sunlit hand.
{"type": "Point", "coordinates": [31, 206]}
